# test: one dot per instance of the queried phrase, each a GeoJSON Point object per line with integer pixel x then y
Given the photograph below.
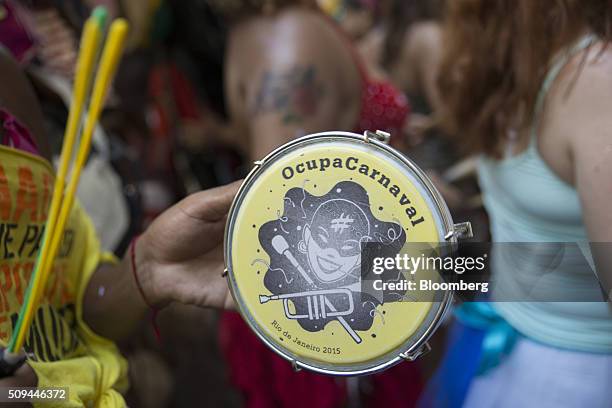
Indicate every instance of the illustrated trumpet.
{"type": "Point", "coordinates": [319, 306]}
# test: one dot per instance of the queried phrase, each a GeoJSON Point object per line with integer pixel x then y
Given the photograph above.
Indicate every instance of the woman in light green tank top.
{"type": "Point", "coordinates": [528, 87]}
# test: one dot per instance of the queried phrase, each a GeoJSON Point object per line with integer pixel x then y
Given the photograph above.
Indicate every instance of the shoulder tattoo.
{"type": "Point", "coordinates": [293, 93]}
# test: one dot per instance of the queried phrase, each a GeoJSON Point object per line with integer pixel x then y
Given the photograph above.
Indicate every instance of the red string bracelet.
{"type": "Point", "coordinates": [154, 310]}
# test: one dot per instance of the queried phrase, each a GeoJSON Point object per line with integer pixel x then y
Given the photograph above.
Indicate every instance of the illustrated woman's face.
{"type": "Point", "coordinates": [332, 239]}
{"type": "Point", "coordinates": [330, 259]}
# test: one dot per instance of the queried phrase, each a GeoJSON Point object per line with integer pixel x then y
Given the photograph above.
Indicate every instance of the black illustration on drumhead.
{"type": "Point", "coordinates": [315, 249]}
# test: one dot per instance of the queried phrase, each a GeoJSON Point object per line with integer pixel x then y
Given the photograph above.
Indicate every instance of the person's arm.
{"type": "Point", "coordinates": [584, 112]}
{"type": "Point", "coordinates": [178, 258]}
{"type": "Point", "coordinates": [428, 57]}
{"type": "Point", "coordinates": [416, 72]}
{"type": "Point", "coordinates": [418, 64]}
{"type": "Point", "coordinates": [303, 80]}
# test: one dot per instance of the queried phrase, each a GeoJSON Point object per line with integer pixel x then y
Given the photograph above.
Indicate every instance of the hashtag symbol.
{"type": "Point", "coordinates": [342, 223]}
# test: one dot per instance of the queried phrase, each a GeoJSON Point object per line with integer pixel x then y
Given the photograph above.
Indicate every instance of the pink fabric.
{"type": "Point", "coordinates": [14, 36]}
{"type": "Point", "coordinates": [399, 386]}
{"type": "Point", "coordinates": [16, 135]}
{"type": "Point", "coordinates": [383, 107]}
{"type": "Point", "coordinates": [267, 380]}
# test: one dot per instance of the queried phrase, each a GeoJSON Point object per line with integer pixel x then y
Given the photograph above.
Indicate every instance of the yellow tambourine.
{"type": "Point", "coordinates": [294, 242]}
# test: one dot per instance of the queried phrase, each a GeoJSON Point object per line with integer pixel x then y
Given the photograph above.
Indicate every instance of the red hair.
{"type": "Point", "coordinates": [496, 58]}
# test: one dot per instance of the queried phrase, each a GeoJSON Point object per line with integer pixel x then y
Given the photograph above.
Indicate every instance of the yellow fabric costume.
{"type": "Point", "coordinates": [61, 349]}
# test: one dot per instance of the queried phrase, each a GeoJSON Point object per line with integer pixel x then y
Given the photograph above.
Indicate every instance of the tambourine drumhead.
{"type": "Point", "coordinates": [293, 252]}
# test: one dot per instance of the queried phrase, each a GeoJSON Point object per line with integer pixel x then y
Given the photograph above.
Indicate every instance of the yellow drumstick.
{"type": "Point", "coordinates": [108, 66]}
{"type": "Point", "coordinates": [84, 73]}
{"type": "Point", "coordinates": [85, 63]}
{"type": "Point", "coordinates": [56, 222]}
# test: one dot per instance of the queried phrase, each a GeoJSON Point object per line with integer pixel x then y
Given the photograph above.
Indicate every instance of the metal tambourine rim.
{"type": "Point", "coordinates": [403, 353]}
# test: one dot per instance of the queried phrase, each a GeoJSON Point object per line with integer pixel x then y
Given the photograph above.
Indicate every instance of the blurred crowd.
{"type": "Point", "coordinates": [179, 119]}
{"type": "Point", "coordinates": [184, 115]}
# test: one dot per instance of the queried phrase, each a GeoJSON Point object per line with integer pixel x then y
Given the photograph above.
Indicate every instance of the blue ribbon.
{"type": "Point", "coordinates": [477, 341]}
{"type": "Point", "coordinates": [499, 337]}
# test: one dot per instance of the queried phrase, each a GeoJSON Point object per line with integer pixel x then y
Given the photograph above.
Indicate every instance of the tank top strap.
{"type": "Point", "coordinates": [557, 64]}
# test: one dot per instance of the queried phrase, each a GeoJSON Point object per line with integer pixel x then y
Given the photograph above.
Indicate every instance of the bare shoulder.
{"type": "Point", "coordinates": [580, 99]}
{"type": "Point", "coordinates": [589, 73]}
{"type": "Point", "coordinates": [300, 34]}
{"type": "Point", "coordinates": [294, 50]}
{"type": "Point", "coordinates": [297, 76]}
{"type": "Point", "coordinates": [581, 106]}
{"type": "Point", "coordinates": [296, 37]}
{"type": "Point", "coordinates": [576, 125]}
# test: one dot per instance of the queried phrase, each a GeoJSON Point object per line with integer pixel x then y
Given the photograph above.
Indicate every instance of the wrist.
{"type": "Point", "coordinates": [146, 273]}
